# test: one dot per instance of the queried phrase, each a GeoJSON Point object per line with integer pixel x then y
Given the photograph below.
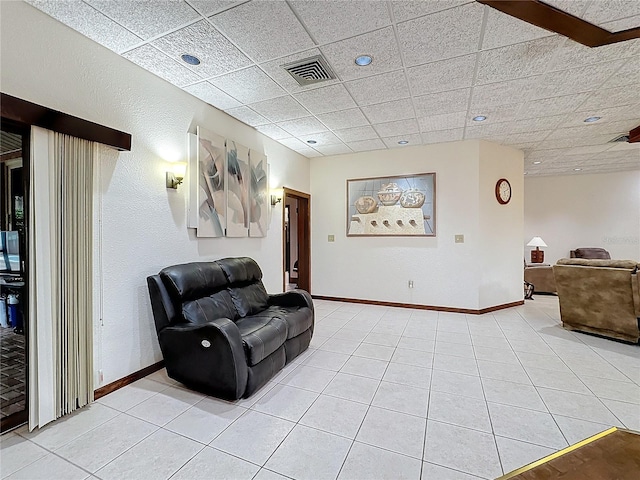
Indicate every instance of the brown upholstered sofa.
{"type": "Point", "coordinates": [541, 276]}
{"type": "Point", "coordinates": [599, 296]}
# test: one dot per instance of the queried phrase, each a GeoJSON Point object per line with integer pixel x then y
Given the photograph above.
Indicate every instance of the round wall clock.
{"type": "Point", "coordinates": [503, 191]}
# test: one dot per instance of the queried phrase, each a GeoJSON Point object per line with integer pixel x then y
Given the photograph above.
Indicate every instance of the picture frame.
{"type": "Point", "coordinates": [398, 205]}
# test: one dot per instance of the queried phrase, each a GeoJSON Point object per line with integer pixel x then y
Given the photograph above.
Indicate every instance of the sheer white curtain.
{"type": "Point", "coordinates": [60, 275]}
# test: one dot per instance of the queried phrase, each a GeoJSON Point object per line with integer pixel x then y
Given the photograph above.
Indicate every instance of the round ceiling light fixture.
{"type": "Point", "coordinates": [479, 118]}
{"type": "Point", "coordinates": [190, 59]}
{"type": "Point", "coordinates": [577, 169]}
{"type": "Point", "coordinates": [403, 142]}
{"type": "Point", "coordinates": [363, 60]}
{"type": "Point", "coordinates": [311, 142]}
{"type": "Point", "coordinates": [537, 162]}
{"type": "Point", "coordinates": [591, 119]}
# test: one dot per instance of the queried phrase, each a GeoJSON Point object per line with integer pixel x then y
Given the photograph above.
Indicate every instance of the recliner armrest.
{"type": "Point", "coordinates": [208, 356]}
{"type": "Point", "coordinates": [292, 298]}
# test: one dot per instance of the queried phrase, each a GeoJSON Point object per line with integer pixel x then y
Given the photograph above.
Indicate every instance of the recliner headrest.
{"type": "Point", "coordinates": [190, 281]}
{"type": "Point", "coordinates": [240, 269]}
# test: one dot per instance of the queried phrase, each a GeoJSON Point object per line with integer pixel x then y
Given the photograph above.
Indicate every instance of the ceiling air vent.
{"type": "Point", "coordinates": [621, 138]}
{"type": "Point", "coordinates": [310, 70]}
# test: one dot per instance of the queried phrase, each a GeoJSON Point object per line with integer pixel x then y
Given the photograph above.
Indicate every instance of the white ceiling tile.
{"type": "Point", "coordinates": [248, 85]}
{"type": "Point", "coordinates": [503, 93]}
{"type": "Point", "coordinates": [578, 55]}
{"type": "Point", "coordinates": [158, 63]}
{"type": "Point", "coordinates": [615, 114]}
{"type": "Point", "coordinates": [294, 143]}
{"type": "Point", "coordinates": [575, 141]}
{"type": "Point", "coordinates": [355, 134]}
{"type": "Point", "coordinates": [442, 136]}
{"type": "Point", "coordinates": [502, 29]}
{"type": "Point", "coordinates": [588, 150]}
{"type": "Point", "coordinates": [280, 109]}
{"type": "Point", "coordinates": [612, 97]}
{"type": "Point", "coordinates": [390, 111]}
{"type": "Point", "coordinates": [622, 24]}
{"type": "Point", "coordinates": [421, 39]}
{"type": "Point", "coordinates": [628, 74]}
{"type": "Point", "coordinates": [273, 131]}
{"type": "Point", "coordinates": [88, 21]}
{"type": "Point", "coordinates": [367, 145]}
{"type": "Point", "coordinates": [147, 18]}
{"type": "Point", "coordinates": [552, 106]}
{"type": "Point", "coordinates": [302, 126]}
{"type": "Point", "coordinates": [209, 7]}
{"type": "Point", "coordinates": [217, 55]}
{"type": "Point", "coordinates": [380, 45]}
{"type": "Point", "coordinates": [413, 139]}
{"type": "Point", "coordinates": [309, 152]}
{"type": "Point", "coordinates": [322, 138]}
{"type": "Point", "coordinates": [440, 103]}
{"type": "Point", "coordinates": [248, 116]}
{"type": "Point", "coordinates": [399, 127]}
{"type": "Point", "coordinates": [445, 121]}
{"type": "Point", "coordinates": [330, 20]}
{"type": "Point", "coordinates": [326, 99]}
{"type": "Point", "coordinates": [251, 27]}
{"type": "Point", "coordinates": [285, 80]}
{"type": "Point", "coordinates": [379, 89]}
{"type": "Point", "coordinates": [617, 146]}
{"type": "Point", "coordinates": [517, 61]}
{"type": "Point", "coordinates": [574, 7]}
{"type": "Point", "coordinates": [499, 114]}
{"type": "Point", "coordinates": [600, 12]}
{"type": "Point", "coordinates": [574, 80]}
{"type": "Point", "coordinates": [443, 75]}
{"type": "Point", "coordinates": [210, 94]}
{"type": "Point", "coordinates": [526, 137]}
{"type": "Point", "coordinates": [343, 119]}
{"type": "Point", "coordinates": [408, 9]}
{"type": "Point", "coordinates": [339, 149]}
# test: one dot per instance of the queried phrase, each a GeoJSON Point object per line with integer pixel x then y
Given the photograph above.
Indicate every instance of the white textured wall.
{"type": "Point", "coordinates": [143, 227]}
{"type": "Point", "coordinates": [598, 210]}
{"type": "Point", "coordinates": [444, 273]}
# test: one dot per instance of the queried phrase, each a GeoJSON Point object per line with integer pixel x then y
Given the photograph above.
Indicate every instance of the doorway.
{"type": "Point", "coordinates": [14, 183]}
{"type": "Point", "coordinates": [296, 234]}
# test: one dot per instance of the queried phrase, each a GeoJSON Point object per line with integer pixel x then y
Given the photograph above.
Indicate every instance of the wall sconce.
{"type": "Point", "coordinates": [175, 177]}
{"type": "Point", "coordinates": [276, 196]}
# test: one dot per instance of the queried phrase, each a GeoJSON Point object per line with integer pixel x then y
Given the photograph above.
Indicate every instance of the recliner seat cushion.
{"type": "Point", "coordinates": [261, 336]}
{"type": "Point", "coordinates": [207, 309]}
{"type": "Point", "coordinates": [249, 299]}
{"type": "Point", "coordinates": [298, 319]}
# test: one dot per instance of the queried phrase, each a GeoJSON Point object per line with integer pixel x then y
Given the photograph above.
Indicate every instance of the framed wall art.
{"type": "Point", "coordinates": [211, 166]}
{"type": "Point", "coordinates": [402, 205]}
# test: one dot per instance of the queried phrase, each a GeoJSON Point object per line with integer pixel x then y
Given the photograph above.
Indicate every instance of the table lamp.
{"type": "Point", "coordinates": [537, 255]}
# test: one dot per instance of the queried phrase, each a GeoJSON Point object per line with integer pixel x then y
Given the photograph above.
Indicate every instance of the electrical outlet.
{"type": "Point", "coordinates": [331, 238]}
{"type": "Point", "coordinates": [459, 238]}
{"type": "Point", "coordinates": [100, 376]}
{"type": "Point", "coordinates": [410, 283]}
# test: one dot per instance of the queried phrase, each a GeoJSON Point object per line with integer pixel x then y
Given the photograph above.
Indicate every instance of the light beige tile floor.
{"type": "Point", "coordinates": [381, 393]}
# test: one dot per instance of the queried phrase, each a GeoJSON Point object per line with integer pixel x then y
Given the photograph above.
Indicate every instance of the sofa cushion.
{"type": "Point", "coordinates": [261, 336]}
{"type": "Point", "coordinates": [207, 309]}
{"type": "Point", "coordinates": [298, 319]}
{"type": "Point", "coordinates": [600, 253]}
{"type": "Point", "coordinates": [240, 270]}
{"type": "Point", "coordinates": [593, 262]}
{"type": "Point", "coordinates": [249, 299]}
{"type": "Point", "coordinates": [193, 280]}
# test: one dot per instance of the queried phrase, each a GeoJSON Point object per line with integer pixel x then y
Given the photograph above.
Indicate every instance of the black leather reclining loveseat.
{"type": "Point", "coordinates": [220, 332]}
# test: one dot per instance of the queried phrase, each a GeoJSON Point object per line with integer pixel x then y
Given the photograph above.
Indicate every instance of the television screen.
{"type": "Point", "coordinates": [9, 252]}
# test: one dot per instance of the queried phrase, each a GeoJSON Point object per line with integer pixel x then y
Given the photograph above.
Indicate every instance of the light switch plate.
{"type": "Point", "coordinates": [331, 238]}
{"type": "Point", "coordinates": [459, 238]}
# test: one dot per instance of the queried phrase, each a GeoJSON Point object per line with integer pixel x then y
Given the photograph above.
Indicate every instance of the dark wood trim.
{"type": "Point", "coordinates": [421, 307]}
{"type": "Point", "coordinates": [11, 155]}
{"type": "Point", "coordinates": [555, 20]}
{"type": "Point", "coordinates": [123, 382]}
{"type": "Point", "coordinates": [14, 421]}
{"type": "Point", "coordinates": [304, 237]}
{"type": "Point", "coordinates": [634, 135]}
{"type": "Point", "coordinates": [28, 113]}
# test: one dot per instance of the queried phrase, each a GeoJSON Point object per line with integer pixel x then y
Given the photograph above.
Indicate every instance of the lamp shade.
{"type": "Point", "coordinates": [536, 242]}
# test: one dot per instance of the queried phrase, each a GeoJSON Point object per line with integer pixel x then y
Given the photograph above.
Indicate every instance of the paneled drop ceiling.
{"type": "Point", "coordinates": [437, 64]}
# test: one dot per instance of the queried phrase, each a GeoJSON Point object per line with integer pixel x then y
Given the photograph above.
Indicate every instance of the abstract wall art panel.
{"type": "Point", "coordinates": [403, 205]}
{"type": "Point", "coordinates": [238, 181]}
{"type": "Point", "coordinates": [258, 195]}
{"type": "Point", "coordinates": [211, 184]}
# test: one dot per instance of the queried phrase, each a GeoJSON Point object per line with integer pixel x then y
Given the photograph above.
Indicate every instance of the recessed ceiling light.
{"type": "Point", "coordinates": [480, 118]}
{"type": "Point", "coordinates": [526, 173]}
{"type": "Point", "coordinates": [311, 142]}
{"type": "Point", "coordinates": [403, 142]}
{"type": "Point", "coordinates": [577, 169]}
{"type": "Point", "coordinates": [591, 119]}
{"type": "Point", "coordinates": [190, 59]}
{"type": "Point", "coordinates": [363, 60]}
{"type": "Point", "coordinates": [537, 163]}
